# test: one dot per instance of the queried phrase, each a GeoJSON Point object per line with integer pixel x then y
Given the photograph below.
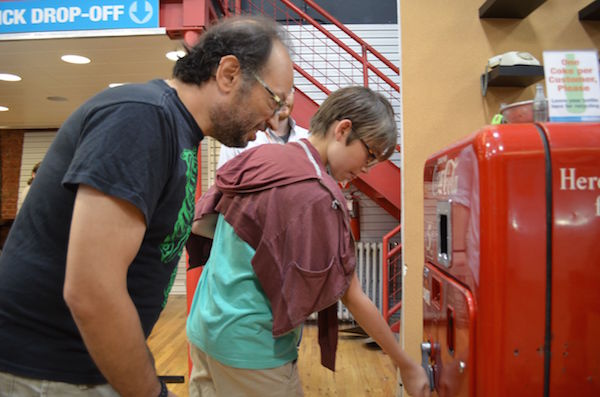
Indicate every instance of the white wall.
{"type": "Point", "coordinates": [35, 145]}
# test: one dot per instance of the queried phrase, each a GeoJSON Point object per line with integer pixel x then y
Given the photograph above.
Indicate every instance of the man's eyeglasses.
{"type": "Point", "coordinates": [371, 156]}
{"type": "Point", "coordinates": [279, 103]}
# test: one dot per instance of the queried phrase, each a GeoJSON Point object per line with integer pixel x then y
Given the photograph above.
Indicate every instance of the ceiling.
{"type": "Point", "coordinates": [114, 60]}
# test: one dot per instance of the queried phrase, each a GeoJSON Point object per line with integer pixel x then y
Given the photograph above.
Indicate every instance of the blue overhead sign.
{"type": "Point", "coordinates": [67, 15]}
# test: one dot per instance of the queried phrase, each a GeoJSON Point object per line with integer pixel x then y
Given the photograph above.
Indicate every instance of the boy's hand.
{"type": "Point", "coordinates": [416, 381]}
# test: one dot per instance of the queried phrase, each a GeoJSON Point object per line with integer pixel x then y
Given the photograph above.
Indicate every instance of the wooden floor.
{"type": "Point", "coordinates": [361, 370]}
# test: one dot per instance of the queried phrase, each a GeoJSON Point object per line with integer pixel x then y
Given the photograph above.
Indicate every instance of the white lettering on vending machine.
{"type": "Point", "coordinates": [445, 180]}
{"type": "Point", "coordinates": [570, 181]}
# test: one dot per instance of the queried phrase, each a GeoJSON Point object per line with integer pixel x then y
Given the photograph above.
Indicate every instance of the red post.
{"type": "Point", "coordinates": [365, 66]}
{"type": "Point", "coordinates": [192, 276]}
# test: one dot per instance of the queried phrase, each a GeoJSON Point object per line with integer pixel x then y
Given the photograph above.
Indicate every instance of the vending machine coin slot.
{"type": "Point", "coordinates": [444, 232]}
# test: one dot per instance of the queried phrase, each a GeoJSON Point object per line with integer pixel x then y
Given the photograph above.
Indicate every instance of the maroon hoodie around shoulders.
{"type": "Point", "coordinates": [280, 200]}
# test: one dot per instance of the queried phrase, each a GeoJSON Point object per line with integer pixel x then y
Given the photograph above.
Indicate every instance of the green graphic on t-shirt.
{"type": "Point", "coordinates": [173, 244]}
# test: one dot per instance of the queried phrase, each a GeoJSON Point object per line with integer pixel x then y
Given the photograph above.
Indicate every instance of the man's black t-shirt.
{"type": "Point", "coordinates": [138, 143]}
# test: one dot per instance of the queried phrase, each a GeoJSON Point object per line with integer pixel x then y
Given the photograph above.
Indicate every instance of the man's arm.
{"type": "Point", "coordinates": [366, 314]}
{"type": "Point", "coordinates": [106, 234]}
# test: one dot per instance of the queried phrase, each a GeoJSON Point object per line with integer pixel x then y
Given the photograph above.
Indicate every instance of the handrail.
{"type": "Point", "coordinates": [236, 8]}
{"type": "Point", "coordinates": [349, 50]}
{"type": "Point", "coordinates": [387, 255]}
{"type": "Point", "coordinates": [350, 33]}
{"type": "Point", "coordinates": [310, 78]}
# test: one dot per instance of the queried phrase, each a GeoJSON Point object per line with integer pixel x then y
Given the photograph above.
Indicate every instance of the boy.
{"type": "Point", "coordinates": [274, 262]}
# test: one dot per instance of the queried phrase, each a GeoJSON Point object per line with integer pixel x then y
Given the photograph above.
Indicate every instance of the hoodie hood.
{"type": "Point", "coordinates": [268, 166]}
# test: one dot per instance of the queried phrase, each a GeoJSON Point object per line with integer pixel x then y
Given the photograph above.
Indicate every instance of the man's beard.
{"type": "Point", "coordinates": [232, 128]}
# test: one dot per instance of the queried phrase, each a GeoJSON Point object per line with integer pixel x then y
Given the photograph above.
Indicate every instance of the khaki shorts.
{"type": "Point", "coordinates": [210, 378]}
{"type": "Point", "coordinates": [12, 385]}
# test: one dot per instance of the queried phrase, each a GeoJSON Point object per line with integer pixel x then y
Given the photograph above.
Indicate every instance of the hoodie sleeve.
{"type": "Point", "coordinates": [207, 203]}
{"type": "Point", "coordinates": [198, 247]}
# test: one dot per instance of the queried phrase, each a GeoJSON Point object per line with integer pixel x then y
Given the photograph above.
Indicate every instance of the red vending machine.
{"type": "Point", "coordinates": [511, 283]}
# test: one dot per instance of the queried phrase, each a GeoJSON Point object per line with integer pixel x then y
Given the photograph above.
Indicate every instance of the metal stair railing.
{"type": "Point", "coordinates": [326, 57]}
{"type": "Point", "coordinates": [392, 278]}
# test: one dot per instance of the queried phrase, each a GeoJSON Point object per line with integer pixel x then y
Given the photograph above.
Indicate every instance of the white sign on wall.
{"type": "Point", "coordinates": [572, 85]}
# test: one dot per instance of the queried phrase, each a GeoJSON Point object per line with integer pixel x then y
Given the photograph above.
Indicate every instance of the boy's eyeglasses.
{"type": "Point", "coordinates": [278, 102]}
{"type": "Point", "coordinates": [371, 156]}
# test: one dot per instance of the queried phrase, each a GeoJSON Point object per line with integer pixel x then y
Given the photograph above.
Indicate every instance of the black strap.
{"type": "Point", "coordinates": [164, 392]}
{"type": "Point", "coordinates": [549, 222]}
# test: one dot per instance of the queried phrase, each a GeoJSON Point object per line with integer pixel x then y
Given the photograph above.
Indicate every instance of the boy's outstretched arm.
{"type": "Point", "coordinates": [205, 227]}
{"type": "Point", "coordinates": [367, 315]}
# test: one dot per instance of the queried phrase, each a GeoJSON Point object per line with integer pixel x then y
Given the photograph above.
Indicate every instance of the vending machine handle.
{"type": "Point", "coordinates": [425, 362]}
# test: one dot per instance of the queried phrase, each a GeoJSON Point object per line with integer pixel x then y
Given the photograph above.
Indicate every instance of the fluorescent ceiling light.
{"type": "Point", "coordinates": [113, 85]}
{"type": "Point", "coordinates": [9, 77]}
{"type": "Point", "coordinates": [3, 109]}
{"type": "Point", "coordinates": [175, 55]}
{"type": "Point", "coordinates": [78, 59]}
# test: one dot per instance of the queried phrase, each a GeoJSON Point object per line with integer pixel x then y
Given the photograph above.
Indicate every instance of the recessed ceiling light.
{"type": "Point", "coordinates": [9, 77]}
{"type": "Point", "coordinates": [175, 55]}
{"type": "Point", "coordinates": [56, 98]}
{"type": "Point", "coordinates": [78, 59]}
{"type": "Point", "coordinates": [3, 109]}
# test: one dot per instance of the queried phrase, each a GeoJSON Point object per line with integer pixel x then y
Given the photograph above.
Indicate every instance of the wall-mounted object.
{"type": "Point", "coordinates": [591, 12]}
{"type": "Point", "coordinates": [511, 76]}
{"type": "Point", "coordinates": [515, 76]}
{"type": "Point", "coordinates": [508, 8]}
{"type": "Point", "coordinates": [511, 69]}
